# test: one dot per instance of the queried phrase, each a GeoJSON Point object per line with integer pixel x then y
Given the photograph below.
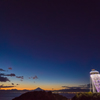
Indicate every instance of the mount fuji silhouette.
{"type": "Point", "coordinates": [38, 89]}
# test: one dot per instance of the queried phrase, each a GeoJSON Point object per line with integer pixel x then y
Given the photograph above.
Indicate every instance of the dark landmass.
{"type": "Point", "coordinates": [87, 96]}
{"type": "Point", "coordinates": [72, 90]}
{"type": "Point", "coordinates": [40, 95]}
{"type": "Point", "coordinates": [13, 90]}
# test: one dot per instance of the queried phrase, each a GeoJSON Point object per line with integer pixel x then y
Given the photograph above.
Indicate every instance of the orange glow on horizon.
{"type": "Point", "coordinates": [28, 88]}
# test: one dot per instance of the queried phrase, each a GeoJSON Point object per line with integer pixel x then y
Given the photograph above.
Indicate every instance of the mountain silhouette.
{"type": "Point", "coordinates": [38, 89]}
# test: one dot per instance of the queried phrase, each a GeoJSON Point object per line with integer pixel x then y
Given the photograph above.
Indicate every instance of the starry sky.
{"type": "Point", "coordinates": [48, 43]}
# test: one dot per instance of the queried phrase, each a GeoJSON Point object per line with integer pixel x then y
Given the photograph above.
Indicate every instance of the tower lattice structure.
{"type": "Point", "coordinates": [94, 81]}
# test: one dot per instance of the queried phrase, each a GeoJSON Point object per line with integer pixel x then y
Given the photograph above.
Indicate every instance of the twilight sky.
{"type": "Point", "coordinates": [49, 43]}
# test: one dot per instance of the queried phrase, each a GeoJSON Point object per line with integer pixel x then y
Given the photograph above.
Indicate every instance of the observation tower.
{"type": "Point", "coordinates": [94, 81]}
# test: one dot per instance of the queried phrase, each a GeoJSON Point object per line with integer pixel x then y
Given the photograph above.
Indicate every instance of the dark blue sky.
{"type": "Point", "coordinates": [59, 41]}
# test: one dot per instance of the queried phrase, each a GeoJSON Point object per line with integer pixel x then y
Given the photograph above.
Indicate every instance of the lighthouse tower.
{"type": "Point", "coordinates": [94, 81]}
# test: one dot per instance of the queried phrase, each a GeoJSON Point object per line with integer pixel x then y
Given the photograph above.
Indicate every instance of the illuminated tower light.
{"type": "Point", "coordinates": [94, 81]}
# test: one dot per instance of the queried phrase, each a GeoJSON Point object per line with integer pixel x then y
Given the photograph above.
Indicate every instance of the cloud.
{"type": "Point", "coordinates": [12, 74]}
{"type": "Point", "coordinates": [35, 77]}
{"type": "Point", "coordinates": [65, 86]}
{"type": "Point", "coordinates": [2, 69]}
{"type": "Point", "coordinates": [22, 77]}
{"type": "Point", "coordinates": [2, 74]}
{"type": "Point", "coordinates": [87, 86]}
{"type": "Point", "coordinates": [73, 87]}
{"type": "Point", "coordinates": [12, 83]}
{"type": "Point", "coordinates": [4, 79]}
{"type": "Point", "coordinates": [2, 86]}
{"type": "Point", "coordinates": [10, 68]}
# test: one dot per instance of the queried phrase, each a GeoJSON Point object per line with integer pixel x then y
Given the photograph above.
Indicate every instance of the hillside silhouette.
{"type": "Point", "coordinates": [40, 95]}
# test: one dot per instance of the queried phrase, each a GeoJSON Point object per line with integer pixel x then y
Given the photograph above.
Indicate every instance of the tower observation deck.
{"type": "Point", "coordinates": [94, 81]}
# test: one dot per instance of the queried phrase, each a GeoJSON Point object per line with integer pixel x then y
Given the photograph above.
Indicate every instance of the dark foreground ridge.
{"type": "Point", "coordinates": [87, 96]}
{"type": "Point", "coordinates": [40, 95]}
